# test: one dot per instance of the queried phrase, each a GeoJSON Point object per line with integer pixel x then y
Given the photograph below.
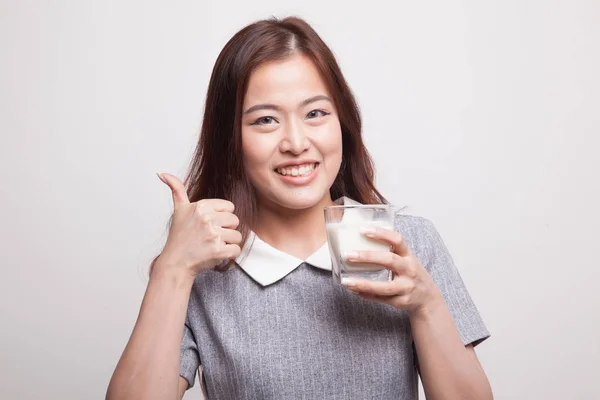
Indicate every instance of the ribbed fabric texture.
{"type": "Point", "coordinates": [305, 337]}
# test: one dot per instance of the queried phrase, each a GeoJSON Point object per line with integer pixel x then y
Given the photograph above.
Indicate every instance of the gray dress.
{"type": "Point", "coordinates": [277, 327]}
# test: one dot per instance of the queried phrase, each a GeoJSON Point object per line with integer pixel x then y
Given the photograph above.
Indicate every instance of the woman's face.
{"type": "Point", "coordinates": [291, 134]}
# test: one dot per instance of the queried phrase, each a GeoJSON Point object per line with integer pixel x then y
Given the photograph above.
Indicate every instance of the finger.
{"type": "Point", "coordinates": [372, 297]}
{"type": "Point", "coordinates": [177, 188]}
{"type": "Point", "coordinates": [230, 252]}
{"type": "Point", "coordinates": [225, 219]}
{"type": "Point", "coordinates": [231, 236]}
{"type": "Point", "coordinates": [217, 205]}
{"type": "Point", "coordinates": [393, 238]}
{"type": "Point", "coordinates": [391, 300]}
{"type": "Point", "coordinates": [386, 259]}
{"type": "Point", "coordinates": [400, 286]}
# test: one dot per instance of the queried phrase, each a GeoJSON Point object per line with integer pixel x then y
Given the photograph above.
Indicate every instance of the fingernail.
{"type": "Point", "coordinates": [351, 255]}
{"type": "Point", "coordinates": [367, 230]}
{"type": "Point", "coordinates": [348, 282]}
{"type": "Point", "coordinates": [161, 177]}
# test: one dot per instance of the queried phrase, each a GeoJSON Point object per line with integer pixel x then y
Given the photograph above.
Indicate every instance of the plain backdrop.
{"type": "Point", "coordinates": [482, 116]}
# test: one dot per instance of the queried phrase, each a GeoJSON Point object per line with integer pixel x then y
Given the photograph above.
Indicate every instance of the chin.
{"type": "Point", "coordinates": [300, 199]}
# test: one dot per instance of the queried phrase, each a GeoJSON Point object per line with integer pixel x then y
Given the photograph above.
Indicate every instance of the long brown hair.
{"type": "Point", "coordinates": [217, 168]}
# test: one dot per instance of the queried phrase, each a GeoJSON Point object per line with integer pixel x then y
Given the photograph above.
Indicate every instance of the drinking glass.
{"type": "Point", "coordinates": [345, 225]}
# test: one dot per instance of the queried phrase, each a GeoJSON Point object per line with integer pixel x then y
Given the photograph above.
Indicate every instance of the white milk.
{"type": "Point", "coordinates": [346, 236]}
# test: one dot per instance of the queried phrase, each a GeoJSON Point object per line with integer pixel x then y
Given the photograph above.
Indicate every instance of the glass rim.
{"type": "Point", "coordinates": [337, 206]}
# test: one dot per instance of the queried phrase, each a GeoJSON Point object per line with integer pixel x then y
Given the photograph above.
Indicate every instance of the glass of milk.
{"type": "Point", "coordinates": [344, 225]}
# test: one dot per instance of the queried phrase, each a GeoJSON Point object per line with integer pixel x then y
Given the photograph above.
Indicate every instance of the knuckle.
{"type": "Point", "coordinates": [238, 237]}
{"type": "Point", "coordinates": [388, 290]}
{"type": "Point", "coordinates": [205, 219]}
{"type": "Point", "coordinates": [220, 252]}
{"type": "Point", "coordinates": [212, 235]}
{"type": "Point", "coordinates": [404, 300]}
{"type": "Point", "coordinates": [201, 203]}
{"type": "Point", "coordinates": [397, 243]}
{"type": "Point", "coordinates": [408, 286]}
{"type": "Point", "coordinates": [198, 209]}
{"type": "Point", "coordinates": [399, 238]}
{"type": "Point", "coordinates": [231, 251]}
{"type": "Point", "coordinates": [412, 273]}
{"type": "Point", "coordinates": [390, 258]}
{"type": "Point", "coordinates": [411, 269]}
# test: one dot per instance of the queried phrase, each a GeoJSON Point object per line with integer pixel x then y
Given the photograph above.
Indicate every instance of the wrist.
{"type": "Point", "coordinates": [435, 301]}
{"type": "Point", "coordinates": [172, 273]}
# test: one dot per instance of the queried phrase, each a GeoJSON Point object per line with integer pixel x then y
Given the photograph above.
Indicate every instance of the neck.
{"type": "Point", "coordinates": [296, 232]}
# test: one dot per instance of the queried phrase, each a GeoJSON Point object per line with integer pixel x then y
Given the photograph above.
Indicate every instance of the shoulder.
{"type": "Point", "coordinates": [216, 283]}
{"type": "Point", "coordinates": [414, 227]}
{"type": "Point", "coordinates": [412, 222]}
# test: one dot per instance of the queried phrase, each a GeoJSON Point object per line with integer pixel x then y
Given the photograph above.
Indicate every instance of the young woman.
{"type": "Point", "coordinates": [281, 140]}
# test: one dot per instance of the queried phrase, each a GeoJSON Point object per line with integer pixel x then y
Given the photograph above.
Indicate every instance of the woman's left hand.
{"type": "Point", "coordinates": [411, 287]}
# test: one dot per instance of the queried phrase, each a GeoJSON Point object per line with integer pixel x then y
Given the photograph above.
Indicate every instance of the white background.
{"type": "Point", "coordinates": [481, 116]}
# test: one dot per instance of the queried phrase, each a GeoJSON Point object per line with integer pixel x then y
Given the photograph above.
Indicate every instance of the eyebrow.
{"type": "Point", "coordinates": [277, 108]}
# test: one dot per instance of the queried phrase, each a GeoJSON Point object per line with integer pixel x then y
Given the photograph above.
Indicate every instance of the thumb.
{"type": "Point", "coordinates": [179, 193]}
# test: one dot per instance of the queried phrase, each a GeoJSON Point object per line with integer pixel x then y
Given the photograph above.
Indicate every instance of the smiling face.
{"type": "Point", "coordinates": [291, 135]}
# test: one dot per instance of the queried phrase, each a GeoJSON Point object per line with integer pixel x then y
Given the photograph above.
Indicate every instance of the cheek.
{"type": "Point", "coordinates": [332, 143]}
{"type": "Point", "coordinates": [255, 154]}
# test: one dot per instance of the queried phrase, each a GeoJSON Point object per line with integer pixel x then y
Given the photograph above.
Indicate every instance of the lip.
{"type": "Point", "coordinates": [299, 180]}
{"type": "Point", "coordinates": [295, 163]}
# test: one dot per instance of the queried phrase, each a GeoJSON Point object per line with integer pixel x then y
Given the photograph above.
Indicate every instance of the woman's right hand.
{"type": "Point", "coordinates": [202, 234]}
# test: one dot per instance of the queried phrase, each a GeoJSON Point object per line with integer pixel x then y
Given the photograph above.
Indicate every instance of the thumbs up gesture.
{"type": "Point", "coordinates": [202, 234]}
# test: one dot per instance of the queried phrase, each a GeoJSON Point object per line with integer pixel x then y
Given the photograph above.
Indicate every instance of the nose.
{"type": "Point", "coordinates": [294, 139]}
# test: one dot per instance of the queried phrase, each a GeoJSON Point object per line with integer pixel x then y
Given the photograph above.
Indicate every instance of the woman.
{"type": "Point", "coordinates": [281, 140]}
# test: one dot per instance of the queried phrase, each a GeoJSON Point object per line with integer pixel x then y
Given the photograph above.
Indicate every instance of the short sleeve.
{"type": "Point", "coordinates": [427, 244]}
{"type": "Point", "coordinates": [190, 360]}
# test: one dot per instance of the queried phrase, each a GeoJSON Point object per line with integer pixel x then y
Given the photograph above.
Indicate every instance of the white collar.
{"type": "Point", "coordinates": [267, 265]}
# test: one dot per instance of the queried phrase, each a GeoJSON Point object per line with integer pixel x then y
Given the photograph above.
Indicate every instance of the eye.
{"type": "Point", "coordinates": [264, 121]}
{"type": "Point", "coordinates": [316, 113]}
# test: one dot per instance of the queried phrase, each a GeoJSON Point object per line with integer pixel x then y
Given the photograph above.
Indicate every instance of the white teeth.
{"type": "Point", "coordinates": [297, 170]}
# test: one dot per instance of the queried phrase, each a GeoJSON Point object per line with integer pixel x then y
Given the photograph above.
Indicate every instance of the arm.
{"type": "Point", "coordinates": [149, 366]}
{"type": "Point", "coordinates": [201, 234]}
{"type": "Point", "coordinates": [183, 385]}
{"type": "Point", "coordinates": [448, 369]}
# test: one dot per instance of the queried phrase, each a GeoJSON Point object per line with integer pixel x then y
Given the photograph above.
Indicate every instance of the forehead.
{"type": "Point", "coordinates": [287, 81]}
